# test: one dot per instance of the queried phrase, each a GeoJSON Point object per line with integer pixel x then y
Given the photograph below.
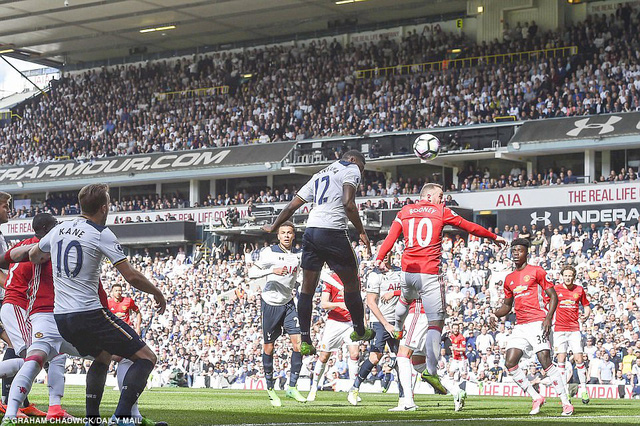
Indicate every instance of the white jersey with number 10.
{"type": "Point", "coordinates": [77, 249]}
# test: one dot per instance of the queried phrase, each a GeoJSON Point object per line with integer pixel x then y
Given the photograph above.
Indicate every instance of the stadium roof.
{"type": "Point", "coordinates": [86, 31]}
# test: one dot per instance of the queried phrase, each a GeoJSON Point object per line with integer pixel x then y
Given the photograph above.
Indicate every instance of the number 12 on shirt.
{"type": "Point", "coordinates": [319, 185]}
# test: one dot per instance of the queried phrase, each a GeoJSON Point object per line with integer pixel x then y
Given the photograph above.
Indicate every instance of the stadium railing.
{"type": "Point", "coordinates": [206, 91]}
{"type": "Point", "coordinates": [558, 52]}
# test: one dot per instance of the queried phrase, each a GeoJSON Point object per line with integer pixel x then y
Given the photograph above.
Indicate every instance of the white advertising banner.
{"type": "Point", "coordinates": [551, 196]}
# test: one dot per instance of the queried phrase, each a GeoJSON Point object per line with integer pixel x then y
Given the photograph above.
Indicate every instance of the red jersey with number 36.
{"type": "Point", "coordinates": [422, 224]}
{"type": "Point", "coordinates": [568, 311]}
{"type": "Point", "coordinates": [527, 287]}
{"type": "Point", "coordinates": [334, 287]}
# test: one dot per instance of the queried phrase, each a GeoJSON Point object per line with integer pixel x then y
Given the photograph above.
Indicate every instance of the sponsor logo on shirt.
{"type": "Point", "coordinates": [519, 289]}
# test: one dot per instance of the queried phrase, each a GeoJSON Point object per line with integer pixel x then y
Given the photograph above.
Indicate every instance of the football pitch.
{"type": "Point", "coordinates": [193, 407]}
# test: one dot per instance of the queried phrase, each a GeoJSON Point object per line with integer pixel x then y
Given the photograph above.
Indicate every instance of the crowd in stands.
{"type": "Point", "coordinates": [212, 324]}
{"type": "Point", "coordinates": [310, 90]}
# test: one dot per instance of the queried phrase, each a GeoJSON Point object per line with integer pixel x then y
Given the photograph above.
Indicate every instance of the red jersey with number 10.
{"type": "Point", "coordinates": [568, 311]}
{"type": "Point", "coordinates": [422, 224]}
{"type": "Point", "coordinates": [526, 287]}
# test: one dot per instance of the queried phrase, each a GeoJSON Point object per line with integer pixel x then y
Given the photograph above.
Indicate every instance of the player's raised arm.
{"type": "Point", "coordinates": [139, 281]}
{"type": "Point", "coordinates": [351, 209]}
{"type": "Point", "coordinates": [453, 219]}
{"type": "Point", "coordinates": [286, 213]}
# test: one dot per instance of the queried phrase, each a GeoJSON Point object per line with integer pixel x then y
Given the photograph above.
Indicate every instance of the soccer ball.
{"type": "Point", "coordinates": [426, 147]}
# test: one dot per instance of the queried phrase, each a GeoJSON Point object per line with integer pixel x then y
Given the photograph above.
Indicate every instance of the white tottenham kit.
{"type": "Point", "coordinates": [324, 189]}
{"type": "Point", "coordinates": [77, 249]}
{"type": "Point", "coordinates": [277, 289]}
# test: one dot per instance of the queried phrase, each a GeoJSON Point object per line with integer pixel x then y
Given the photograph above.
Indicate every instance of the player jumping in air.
{"type": "Point", "coordinates": [326, 240]}
{"type": "Point", "coordinates": [566, 331]}
{"type": "Point", "coordinates": [524, 291]}
{"type": "Point", "coordinates": [279, 263]}
{"type": "Point", "coordinates": [422, 224]}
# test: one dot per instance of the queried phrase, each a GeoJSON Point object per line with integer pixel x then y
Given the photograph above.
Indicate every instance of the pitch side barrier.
{"type": "Point", "coordinates": [506, 389]}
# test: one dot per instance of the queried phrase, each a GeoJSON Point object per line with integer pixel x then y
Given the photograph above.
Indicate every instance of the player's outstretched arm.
{"type": "Point", "coordinates": [351, 209]}
{"type": "Point", "coordinates": [16, 255]}
{"type": "Point", "coordinates": [139, 281]}
{"type": "Point", "coordinates": [37, 256]}
{"type": "Point", "coordinates": [452, 218]}
{"type": "Point", "coordinates": [285, 214]}
{"type": "Point", "coordinates": [553, 304]}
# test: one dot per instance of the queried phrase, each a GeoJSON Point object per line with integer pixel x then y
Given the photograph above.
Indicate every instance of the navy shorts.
{"type": "Point", "coordinates": [99, 330]}
{"type": "Point", "coordinates": [330, 246]}
{"type": "Point", "coordinates": [383, 337]}
{"type": "Point", "coordinates": [275, 319]}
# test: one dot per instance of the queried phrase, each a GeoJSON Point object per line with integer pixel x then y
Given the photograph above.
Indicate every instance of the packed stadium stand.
{"type": "Point", "coordinates": [311, 91]}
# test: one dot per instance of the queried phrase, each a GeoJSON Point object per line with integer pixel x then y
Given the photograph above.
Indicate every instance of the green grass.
{"type": "Point", "coordinates": [193, 407]}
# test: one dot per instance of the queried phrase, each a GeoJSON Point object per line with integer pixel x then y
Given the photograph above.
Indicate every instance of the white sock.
{"type": "Point", "coordinates": [318, 373]}
{"type": "Point", "coordinates": [404, 377]}
{"type": "Point", "coordinates": [582, 376]}
{"type": "Point", "coordinates": [10, 367]}
{"type": "Point", "coordinates": [521, 380]}
{"type": "Point", "coordinates": [121, 371]}
{"type": "Point", "coordinates": [563, 374]}
{"type": "Point", "coordinates": [55, 379]}
{"type": "Point", "coordinates": [353, 368]}
{"type": "Point", "coordinates": [402, 310]}
{"type": "Point", "coordinates": [556, 381]}
{"type": "Point", "coordinates": [21, 387]}
{"type": "Point", "coordinates": [432, 349]}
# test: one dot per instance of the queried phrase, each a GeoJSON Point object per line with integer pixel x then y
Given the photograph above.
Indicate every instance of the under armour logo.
{"type": "Point", "coordinates": [545, 218]}
{"type": "Point", "coordinates": [22, 389]}
{"type": "Point", "coordinates": [604, 128]}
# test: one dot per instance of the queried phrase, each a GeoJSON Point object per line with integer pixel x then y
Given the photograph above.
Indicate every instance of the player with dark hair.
{"type": "Point", "coordinates": [279, 265]}
{"type": "Point", "coordinates": [326, 240]}
{"type": "Point", "coordinates": [566, 330]}
{"type": "Point", "coordinates": [524, 291]}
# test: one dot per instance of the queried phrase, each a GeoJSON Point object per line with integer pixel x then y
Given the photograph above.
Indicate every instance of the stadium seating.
{"type": "Point", "coordinates": [312, 90]}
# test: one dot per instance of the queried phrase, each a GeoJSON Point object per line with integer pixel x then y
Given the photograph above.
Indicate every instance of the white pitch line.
{"type": "Point", "coordinates": [367, 422]}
